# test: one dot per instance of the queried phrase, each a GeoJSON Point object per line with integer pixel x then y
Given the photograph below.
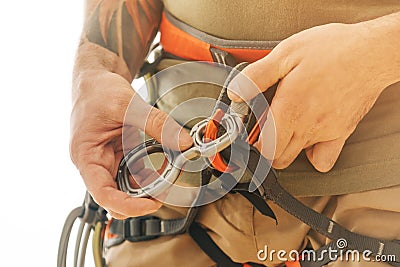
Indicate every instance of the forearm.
{"type": "Point", "coordinates": [117, 35]}
{"type": "Point", "coordinates": [383, 39]}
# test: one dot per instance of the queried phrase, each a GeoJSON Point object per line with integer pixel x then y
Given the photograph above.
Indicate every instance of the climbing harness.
{"type": "Point", "coordinates": [265, 182]}
{"type": "Point", "coordinates": [269, 189]}
{"type": "Point", "coordinates": [230, 125]}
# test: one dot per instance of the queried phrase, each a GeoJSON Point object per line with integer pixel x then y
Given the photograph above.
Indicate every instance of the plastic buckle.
{"type": "Point", "coordinates": [91, 211]}
{"type": "Point", "coordinates": [141, 228]}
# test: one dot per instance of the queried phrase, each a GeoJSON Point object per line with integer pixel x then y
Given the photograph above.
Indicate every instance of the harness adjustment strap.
{"type": "Point", "coordinates": [272, 190]}
{"type": "Point", "coordinates": [204, 241]}
{"type": "Point", "coordinates": [149, 227]}
{"type": "Point", "coordinates": [144, 228]}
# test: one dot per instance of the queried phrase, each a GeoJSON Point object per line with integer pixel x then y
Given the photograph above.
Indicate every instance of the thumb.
{"type": "Point", "coordinates": [325, 154]}
{"type": "Point", "coordinates": [257, 77]}
{"type": "Point", "coordinates": [157, 124]}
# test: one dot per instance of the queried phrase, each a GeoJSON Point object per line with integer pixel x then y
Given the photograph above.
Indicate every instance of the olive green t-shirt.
{"type": "Point", "coordinates": [273, 20]}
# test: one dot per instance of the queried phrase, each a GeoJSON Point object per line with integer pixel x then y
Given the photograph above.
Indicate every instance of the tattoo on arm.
{"type": "Point", "coordinates": [125, 27]}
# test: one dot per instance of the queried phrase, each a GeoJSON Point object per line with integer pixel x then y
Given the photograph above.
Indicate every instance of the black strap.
{"type": "Point", "coordinates": [258, 201]}
{"type": "Point", "coordinates": [149, 227]}
{"type": "Point", "coordinates": [272, 190]}
{"type": "Point", "coordinates": [143, 228]}
{"type": "Point", "coordinates": [204, 241]}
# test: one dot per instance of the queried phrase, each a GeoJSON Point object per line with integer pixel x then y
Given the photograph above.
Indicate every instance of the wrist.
{"type": "Point", "coordinates": [92, 58]}
{"type": "Point", "coordinates": [382, 37]}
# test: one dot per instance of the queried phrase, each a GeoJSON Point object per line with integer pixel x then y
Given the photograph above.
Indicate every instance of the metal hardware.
{"type": "Point", "coordinates": [176, 160]}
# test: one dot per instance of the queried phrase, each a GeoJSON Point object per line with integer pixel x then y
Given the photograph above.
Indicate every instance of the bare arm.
{"type": "Point", "coordinates": [117, 35]}
{"type": "Point", "coordinates": [115, 40]}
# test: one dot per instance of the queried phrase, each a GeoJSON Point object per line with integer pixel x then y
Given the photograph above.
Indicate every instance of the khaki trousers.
{"type": "Point", "coordinates": [241, 231]}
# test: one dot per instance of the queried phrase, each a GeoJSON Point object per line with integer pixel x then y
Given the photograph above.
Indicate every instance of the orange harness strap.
{"type": "Point", "coordinates": [184, 45]}
{"type": "Point", "coordinates": [210, 134]}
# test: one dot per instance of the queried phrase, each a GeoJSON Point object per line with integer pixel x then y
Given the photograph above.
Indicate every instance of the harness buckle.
{"type": "Point", "coordinates": [141, 228]}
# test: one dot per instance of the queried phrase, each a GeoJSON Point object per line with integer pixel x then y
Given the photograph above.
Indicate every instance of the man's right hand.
{"type": "Point", "coordinates": [100, 101]}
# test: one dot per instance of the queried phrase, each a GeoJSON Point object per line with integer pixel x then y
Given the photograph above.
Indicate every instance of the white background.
{"type": "Point", "coordinates": [39, 183]}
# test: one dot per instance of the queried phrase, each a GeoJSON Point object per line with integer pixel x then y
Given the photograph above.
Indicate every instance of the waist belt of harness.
{"type": "Point", "coordinates": [184, 41]}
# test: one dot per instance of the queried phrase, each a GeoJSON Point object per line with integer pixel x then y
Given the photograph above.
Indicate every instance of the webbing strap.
{"type": "Point", "coordinates": [143, 228]}
{"type": "Point", "coordinates": [272, 190]}
{"type": "Point", "coordinates": [148, 227]}
{"type": "Point", "coordinates": [204, 241]}
{"type": "Point", "coordinates": [258, 201]}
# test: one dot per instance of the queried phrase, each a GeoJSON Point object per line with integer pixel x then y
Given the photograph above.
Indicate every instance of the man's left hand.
{"type": "Point", "coordinates": [330, 77]}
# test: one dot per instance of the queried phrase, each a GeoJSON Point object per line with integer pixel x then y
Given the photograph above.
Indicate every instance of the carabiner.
{"type": "Point", "coordinates": [176, 160]}
{"type": "Point", "coordinates": [168, 176]}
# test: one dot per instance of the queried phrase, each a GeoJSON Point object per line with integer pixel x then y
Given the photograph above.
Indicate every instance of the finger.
{"type": "Point", "coordinates": [157, 124]}
{"type": "Point", "coordinates": [283, 128]}
{"type": "Point", "coordinates": [325, 154]}
{"type": "Point", "coordinates": [261, 75]}
{"type": "Point", "coordinates": [266, 143]}
{"type": "Point", "coordinates": [103, 189]}
{"type": "Point", "coordinates": [291, 152]}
